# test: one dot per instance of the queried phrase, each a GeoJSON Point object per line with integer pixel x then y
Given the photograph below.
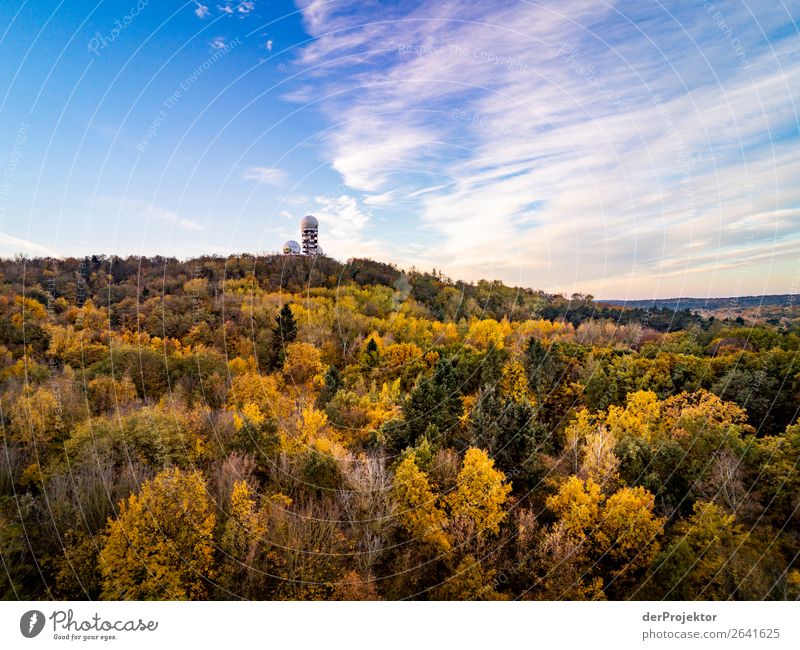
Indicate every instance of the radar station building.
{"type": "Point", "coordinates": [309, 239]}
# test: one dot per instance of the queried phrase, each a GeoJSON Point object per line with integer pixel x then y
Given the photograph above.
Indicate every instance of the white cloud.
{"type": "Point", "coordinates": [344, 229]}
{"type": "Point", "coordinates": [342, 215]}
{"type": "Point", "coordinates": [201, 10]}
{"type": "Point", "coordinates": [10, 246]}
{"type": "Point", "coordinates": [242, 8]}
{"type": "Point", "coordinates": [218, 43]}
{"type": "Point", "coordinates": [265, 175]}
{"type": "Point", "coordinates": [565, 144]}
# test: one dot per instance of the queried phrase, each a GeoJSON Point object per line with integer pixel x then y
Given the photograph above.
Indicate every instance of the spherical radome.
{"type": "Point", "coordinates": [309, 221]}
{"type": "Point", "coordinates": [291, 247]}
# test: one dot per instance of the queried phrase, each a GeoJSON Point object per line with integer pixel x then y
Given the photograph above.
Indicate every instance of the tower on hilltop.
{"type": "Point", "coordinates": [309, 232]}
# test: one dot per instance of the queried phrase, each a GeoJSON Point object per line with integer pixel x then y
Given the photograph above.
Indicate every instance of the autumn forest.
{"type": "Point", "coordinates": [295, 428]}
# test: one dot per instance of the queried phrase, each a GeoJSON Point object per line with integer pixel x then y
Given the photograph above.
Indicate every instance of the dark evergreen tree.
{"type": "Point", "coordinates": [545, 368]}
{"type": "Point", "coordinates": [372, 356]}
{"type": "Point", "coordinates": [284, 332]}
{"type": "Point", "coordinates": [434, 400]}
{"type": "Point", "coordinates": [509, 432]}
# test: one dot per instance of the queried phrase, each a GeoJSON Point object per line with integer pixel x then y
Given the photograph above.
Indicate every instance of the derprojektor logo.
{"type": "Point", "coordinates": [31, 623]}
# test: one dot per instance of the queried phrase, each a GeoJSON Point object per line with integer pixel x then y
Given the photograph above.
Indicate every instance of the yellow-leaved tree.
{"type": "Point", "coordinates": [256, 397]}
{"type": "Point", "coordinates": [488, 334]}
{"type": "Point", "coordinates": [469, 581]}
{"type": "Point", "coordinates": [598, 460]}
{"type": "Point", "coordinates": [418, 509]}
{"type": "Point", "coordinates": [614, 539]}
{"type": "Point", "coordinates": [577, 505]}
{"type": "Point", "coordinates": [626, 540]}
{"type": "Point", "coordinates": [35, 417]}
{"type": "Point", "coordinates": [481, 493]}
{"type": "Point", "coordinates": [243, 536]}
{"type": "Point", "coordinates": [160, 546]}
{"type": "Point", "coordinates": [514, 382]}
{"type": "Point", "coordinates": [303, 363]}
{"type": "Point", "coordinates": [640, 417]}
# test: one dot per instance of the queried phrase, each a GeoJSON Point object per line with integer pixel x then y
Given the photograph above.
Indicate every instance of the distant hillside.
{"type": "Point", "coordinates": [710, 304]}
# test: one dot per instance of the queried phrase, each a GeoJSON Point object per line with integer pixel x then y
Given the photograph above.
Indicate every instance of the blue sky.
{"type": "Point", "coordinates": [628, 149]}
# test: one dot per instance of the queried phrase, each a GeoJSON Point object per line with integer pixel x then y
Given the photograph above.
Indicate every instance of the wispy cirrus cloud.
{"type": "Point", "coordinates": [622, 149]}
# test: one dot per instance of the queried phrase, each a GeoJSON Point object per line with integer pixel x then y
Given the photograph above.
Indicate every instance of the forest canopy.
{"type": "Point", "coordinates": [286, 427]}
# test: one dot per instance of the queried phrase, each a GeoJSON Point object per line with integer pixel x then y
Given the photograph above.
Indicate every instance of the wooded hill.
{"type": "Point", "coordinates": [294, 428]}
